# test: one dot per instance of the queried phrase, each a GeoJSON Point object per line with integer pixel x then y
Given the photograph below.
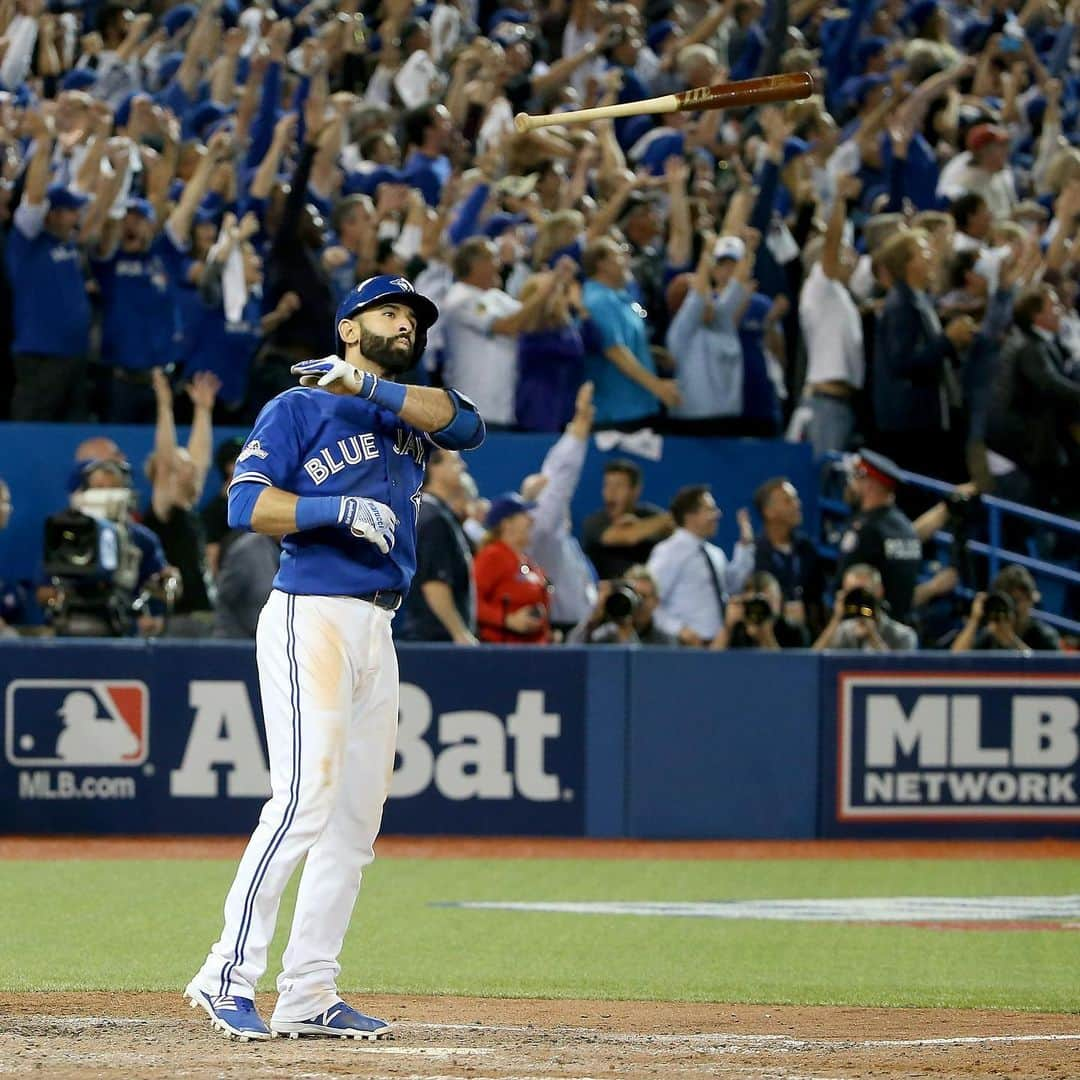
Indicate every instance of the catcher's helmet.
{"type": "Point", "coordinates": [382, 289]}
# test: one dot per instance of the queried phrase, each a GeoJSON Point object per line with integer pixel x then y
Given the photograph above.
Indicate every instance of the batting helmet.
{"type": "Point", "coordinates": [388, 289]}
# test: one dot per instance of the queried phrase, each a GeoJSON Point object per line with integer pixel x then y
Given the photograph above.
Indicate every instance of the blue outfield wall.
{"type": "Point", "coordinates": [165, 737]}
{"type": "Point", "coordinates": [36, 459]}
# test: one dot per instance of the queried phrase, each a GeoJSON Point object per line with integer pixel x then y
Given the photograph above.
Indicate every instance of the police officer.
{"type": "Point", "coordinates": [880, 534]}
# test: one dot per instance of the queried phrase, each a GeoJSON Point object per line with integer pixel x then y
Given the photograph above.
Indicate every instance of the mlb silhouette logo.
{"type": "Point", "coordinates": [76, 722]}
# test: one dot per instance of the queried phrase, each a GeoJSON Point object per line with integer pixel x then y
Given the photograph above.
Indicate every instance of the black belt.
{"type": "Point", "coordinates": [386, 599]}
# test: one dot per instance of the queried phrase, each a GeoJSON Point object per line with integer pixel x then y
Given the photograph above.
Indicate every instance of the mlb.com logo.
{"type": "Point", "coordinates": [76, 722]}
{"type": "Point", "coordinates": [934, 747]}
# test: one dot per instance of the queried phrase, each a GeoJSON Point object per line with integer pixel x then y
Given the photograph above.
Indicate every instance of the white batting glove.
{"type": "Point", "coordinates": [328, 370]}
{"type": "Point", "coordinates": [369, 519]}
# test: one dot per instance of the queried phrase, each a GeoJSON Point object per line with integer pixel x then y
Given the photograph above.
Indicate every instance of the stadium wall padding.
{"type": "Point", "coordinates": [165, 738]}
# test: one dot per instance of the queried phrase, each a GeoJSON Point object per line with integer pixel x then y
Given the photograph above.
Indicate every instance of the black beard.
{"type": "Point", "coordinates": [385, 352]}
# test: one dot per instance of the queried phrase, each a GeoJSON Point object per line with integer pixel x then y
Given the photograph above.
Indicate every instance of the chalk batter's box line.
{"type": "Point", "coordinates": [784, 1041]}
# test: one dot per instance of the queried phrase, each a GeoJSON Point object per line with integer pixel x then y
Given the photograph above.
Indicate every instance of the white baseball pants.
{"type": "Point", "coordinates": [329, 682]}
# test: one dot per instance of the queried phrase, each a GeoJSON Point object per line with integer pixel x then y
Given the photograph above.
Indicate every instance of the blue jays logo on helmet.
{"type": "Point", "coordinates": [387, 289]}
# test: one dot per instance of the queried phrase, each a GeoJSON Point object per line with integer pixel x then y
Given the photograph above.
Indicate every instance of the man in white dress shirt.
{"type": "Point", "coordinates": [832, 330]}
{"type": "Point", "coordinates": [553, 545]}
{"type": "Point", "coordinates": [695, 577]}
{"type": "Point", "coordinates": [482, 324]}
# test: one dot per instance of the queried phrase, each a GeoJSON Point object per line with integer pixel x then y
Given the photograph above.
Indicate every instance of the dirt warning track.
{"type": "Point", "coordinates": [498, 847]}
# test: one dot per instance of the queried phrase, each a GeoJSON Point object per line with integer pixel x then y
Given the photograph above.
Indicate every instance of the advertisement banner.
{"type": "Point", "coordinates": [167, 738]}
{"type": "Point", "coordinates": [916, 747]}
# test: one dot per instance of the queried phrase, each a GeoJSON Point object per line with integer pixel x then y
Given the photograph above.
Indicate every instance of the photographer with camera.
{"type": "Point", "coordinates": [755, 620]}
{"type": "Point", "coordinates": [991, 624]}
{"type": "Point", "coordinates": [1016, 582]}
{"type": "Point", "coordinates": [858, 621]}
{"type": "Point", "coordinates": [107, 573]}
{"type": "Point", "coordinates": [623, 614]}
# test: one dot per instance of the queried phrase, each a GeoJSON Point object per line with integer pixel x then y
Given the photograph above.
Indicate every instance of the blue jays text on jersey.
{"type": "Point", "coordinates": [312, 442]}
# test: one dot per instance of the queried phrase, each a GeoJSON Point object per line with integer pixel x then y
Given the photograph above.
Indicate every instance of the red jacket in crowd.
{"type": "Point", "coordinates": [507, 581]}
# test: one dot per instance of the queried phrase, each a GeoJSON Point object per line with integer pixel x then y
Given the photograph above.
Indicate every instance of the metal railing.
{"type": "Point", "coordinates": [993, 551]}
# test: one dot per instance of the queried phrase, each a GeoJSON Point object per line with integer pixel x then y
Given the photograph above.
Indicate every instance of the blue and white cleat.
{"type": "Point", "coordinates": [236, 1016]}
{"type": "Point", "coordinates": [339, 1021]}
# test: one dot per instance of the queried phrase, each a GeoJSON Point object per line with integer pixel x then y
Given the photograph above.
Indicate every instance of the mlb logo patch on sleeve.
{"type": "Point", "coordinates": [76, 722]}
{"type": "Point", "coordinates": [253, 449]}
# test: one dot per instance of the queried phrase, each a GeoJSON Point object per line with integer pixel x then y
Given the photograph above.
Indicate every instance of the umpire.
{"type": "Point", "coordinates": [880, 534]}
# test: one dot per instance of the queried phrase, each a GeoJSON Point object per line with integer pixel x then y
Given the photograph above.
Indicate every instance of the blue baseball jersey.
{"type": "Point", "coordinates": [312, 442]}
{"type": "Point", "coordinates": [139, 320]}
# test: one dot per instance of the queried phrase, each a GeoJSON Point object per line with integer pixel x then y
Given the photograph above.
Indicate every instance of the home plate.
{"type": "Point", "coordinates": [440, 1052]}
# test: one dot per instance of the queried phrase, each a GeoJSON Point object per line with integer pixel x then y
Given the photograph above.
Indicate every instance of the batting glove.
{"type": "Point", "coordinates": [369, 519]}
{"type": "Point", "coordinates": [328, 370]}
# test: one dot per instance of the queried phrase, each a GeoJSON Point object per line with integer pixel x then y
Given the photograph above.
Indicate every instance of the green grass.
{"type": "Point", "coordinates": [146, 925]}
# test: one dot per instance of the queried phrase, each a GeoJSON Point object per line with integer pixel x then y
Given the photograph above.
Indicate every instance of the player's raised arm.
{"type": "Point", "coordinates": [381, 331]}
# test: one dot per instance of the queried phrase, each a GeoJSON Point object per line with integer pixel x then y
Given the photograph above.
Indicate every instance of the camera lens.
{"type": "Point", "coordinates": [860, 603]}
{"type": "Point", "coordinates": [621, 603]}
{"type": "Point", "coordinates": [757, 610]}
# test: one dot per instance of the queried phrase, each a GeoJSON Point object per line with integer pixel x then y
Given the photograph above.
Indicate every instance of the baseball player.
{"type": "Point", "coordinates": [334, 467]}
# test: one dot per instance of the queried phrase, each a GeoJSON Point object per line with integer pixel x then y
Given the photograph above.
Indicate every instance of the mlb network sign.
{"type": "Point", "coordinates": [959, 747]}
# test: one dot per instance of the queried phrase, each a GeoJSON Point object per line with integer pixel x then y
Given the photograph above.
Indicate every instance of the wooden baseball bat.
{"type": "Point", "coordinates": [793, 86]}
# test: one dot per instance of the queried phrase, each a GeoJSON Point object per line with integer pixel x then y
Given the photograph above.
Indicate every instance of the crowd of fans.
{"type": "Point", "coordinates": [891, 262]}
{"type": "Point", "coordinates": [188, 189]}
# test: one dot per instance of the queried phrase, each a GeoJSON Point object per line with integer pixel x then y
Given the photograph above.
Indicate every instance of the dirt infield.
{"type": "Point", "coordinates": [153, 1036]}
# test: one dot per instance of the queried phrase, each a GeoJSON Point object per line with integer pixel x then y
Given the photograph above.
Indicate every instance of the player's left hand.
{"type": "Point", "coordinates": [369, 519]}
{"type": "Point", "coordinates": [326, 371]}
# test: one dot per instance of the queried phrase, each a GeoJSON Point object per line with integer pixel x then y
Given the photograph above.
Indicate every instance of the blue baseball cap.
{"type": "Point", "coordinates": [178, 17]}
{"type": "Point", "coordinates": [973, 36]}
{"type": "Point", "coordinates": [498, 223]}
{"type": "Point", "coordinates": [795, 147]}
{"type": "Point", "coordinates": [143, 207]}
{"type": "Point", "coordinates": [504, 15]}
{"type": "Point", "coordinates": [61, 197]}
{"type": "Point", "coordinates": [122, 115]}
{"type": "Point", "coordinates": [659, 32]}
{"type": "Point", "coordinates": [867, 49]}
{"type": "Point", "coordinates": [24, 97]}
{"type": "Point", "coordinates": [210, 210]}
{"type": "Point", "coordinates": [754, 314]}
{"type": "Point", "coordinates": [168, 66]}
{"type": "Point", "coordinates": [919, 12]}
{"type": "Point", "coordinates": [663, 144]}
{"type": "Point", "coordinates": [79, 79]}
{"type": "Point", "coordinates": [205, 117]}
{"type": "Point", "coordinates": [864, 86]}
{"type": "Point", "coordinates": [507, 505]}
{"type": "Point", "coordinates": [385, 288]}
